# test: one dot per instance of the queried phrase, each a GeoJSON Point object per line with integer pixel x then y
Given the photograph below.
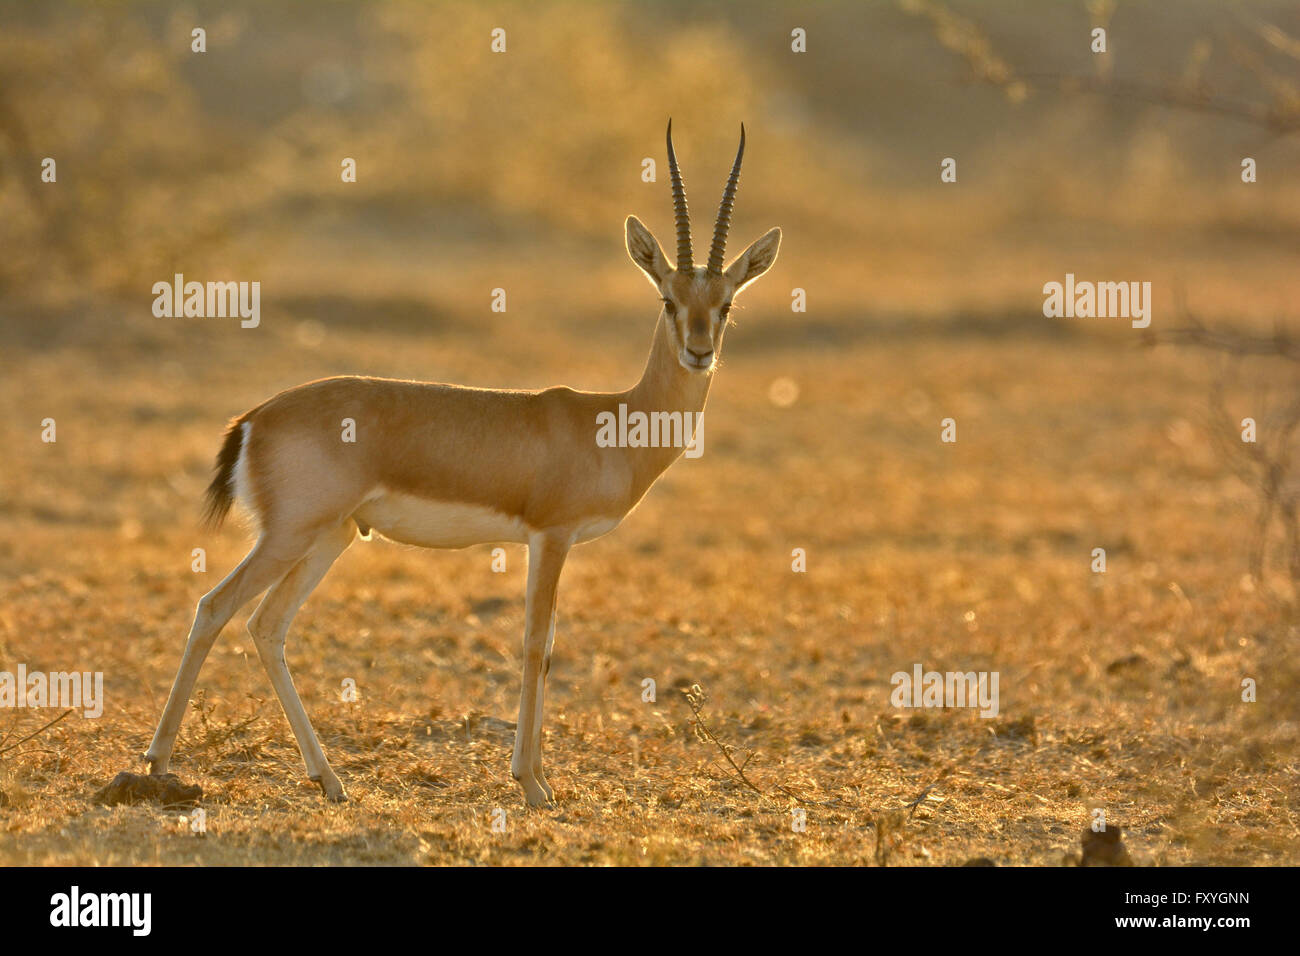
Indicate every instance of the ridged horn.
{"type": "Point", "coordinates": [719, 248]}
{"type": "Point", "coordinates": [684, 261]}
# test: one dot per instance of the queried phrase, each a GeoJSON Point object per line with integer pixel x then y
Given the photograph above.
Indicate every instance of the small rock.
{"type": "Point", "coordinates": [1105, 848]}
{"type": "Point", "coordinates": [1022, 728]}
{"type": "Point", "coordinates": [165, 788]}
{"type": "Point", "coordinates": [1123, 663]}
{"type": "Point", "coordinates": [489, 607]}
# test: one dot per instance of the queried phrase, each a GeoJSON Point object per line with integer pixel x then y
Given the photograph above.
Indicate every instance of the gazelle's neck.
{"type": "Point", "coordinates": [665, 386]}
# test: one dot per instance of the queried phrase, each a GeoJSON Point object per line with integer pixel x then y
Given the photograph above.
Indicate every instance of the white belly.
{"type": "Point", "coordinates": [438, 524]}
{"type": "Point", "coordinates": [595, 528]}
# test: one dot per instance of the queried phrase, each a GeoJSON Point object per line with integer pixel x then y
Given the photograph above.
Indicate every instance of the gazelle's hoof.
{"type": "Point", "coordinates": [546, 788]}
{"type": "Point", "coordinates": [333, 790]}
{"type": "Point", "coordinates": [156, 767]}
{"type": "Point", "coordinates": [537, 793]}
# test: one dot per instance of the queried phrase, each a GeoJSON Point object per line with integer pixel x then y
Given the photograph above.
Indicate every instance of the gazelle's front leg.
{"type": "Point", "coordinates": [546, 553]}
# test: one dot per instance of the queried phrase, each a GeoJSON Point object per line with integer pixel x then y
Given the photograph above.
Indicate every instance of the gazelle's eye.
{"type": "Point", "coordinates": [724, 311]}
{"type": "Point", "coordinates": [670, 305]}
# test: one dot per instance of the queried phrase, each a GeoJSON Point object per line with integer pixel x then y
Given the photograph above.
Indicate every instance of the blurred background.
{"type": "Point", "coordinates": [479, 170]}
{"type": "Point", "coordinates": [475, 165]}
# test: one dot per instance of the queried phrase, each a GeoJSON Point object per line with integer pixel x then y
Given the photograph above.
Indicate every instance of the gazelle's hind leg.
{"type": "Point", "coordinates": [271, 557]}
{"type": "Point", "coordinates": [269, 625]}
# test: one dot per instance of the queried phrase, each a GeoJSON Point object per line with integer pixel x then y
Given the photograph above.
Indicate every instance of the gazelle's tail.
{"type": "Point", "coordinates": [221, 493]}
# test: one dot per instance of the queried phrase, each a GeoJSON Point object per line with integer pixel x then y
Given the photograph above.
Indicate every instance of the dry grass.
{"type": "Point", "coordinates": [1118, 691]}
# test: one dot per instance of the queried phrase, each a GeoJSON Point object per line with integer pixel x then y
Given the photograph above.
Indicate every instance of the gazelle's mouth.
{"type": "Point", "coordinates": [694, 364]}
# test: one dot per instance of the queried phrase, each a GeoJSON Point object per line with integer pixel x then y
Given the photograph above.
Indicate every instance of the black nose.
{"type": "Point", "coordinates": [699, 355]}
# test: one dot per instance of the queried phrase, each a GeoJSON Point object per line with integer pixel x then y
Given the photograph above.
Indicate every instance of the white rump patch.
{"type": "Point", "coordinates": [240, 485]}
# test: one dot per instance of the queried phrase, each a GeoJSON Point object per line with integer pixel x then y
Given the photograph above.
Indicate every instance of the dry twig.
{"type": "Point", "coordinates": [37, 732]}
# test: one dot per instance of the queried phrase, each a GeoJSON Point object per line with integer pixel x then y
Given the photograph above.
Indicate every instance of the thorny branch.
{"type": "Point", "coordinates": [1280, 114]}
{"type": "Point", "coordinates": [1267, 463]}
{"type": "Point", "coordinates": [1194, 332]}
{"type": "Point", "coordinates": [1274, 106]}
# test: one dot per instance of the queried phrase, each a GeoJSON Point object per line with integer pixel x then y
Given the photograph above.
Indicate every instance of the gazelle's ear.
{"type": "Point", "coordinates": [755, 260]}
{"type": "Point", "coordinates": [645, 251]}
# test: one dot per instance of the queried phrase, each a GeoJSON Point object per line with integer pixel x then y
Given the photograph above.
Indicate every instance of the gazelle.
{"type": "Point", "coordinates": [445, 466]}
